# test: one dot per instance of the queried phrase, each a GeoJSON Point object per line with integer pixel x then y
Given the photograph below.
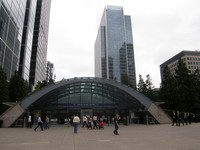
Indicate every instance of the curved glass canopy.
{"type": "Point", "coordinates": [87, 95]}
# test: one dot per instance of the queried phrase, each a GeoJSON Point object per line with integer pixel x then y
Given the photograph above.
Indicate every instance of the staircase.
{"type": "Point", "coordinates": [11, 115]}
{"type": "Point", "coordinates": [159, 114]}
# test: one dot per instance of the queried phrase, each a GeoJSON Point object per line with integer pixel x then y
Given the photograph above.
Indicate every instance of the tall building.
{"type": "Point", "coordinates": [190, 58]}
{"type": "Point", "coordinates": [27, 40]}
{"type": "Point", "coordinates": [50, 71]}
{"type": "Point", "coordinates": [114, 52]}
{"type": "Point", "coordinates": [40, 41]}
{"type": "Point", "coordinates": [24, 26]}
{"type": "Point", "coordinates": [12, 14]}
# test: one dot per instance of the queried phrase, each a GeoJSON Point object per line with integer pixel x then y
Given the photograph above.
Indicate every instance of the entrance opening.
{"type": "Point", "coordinates": [87, 112]}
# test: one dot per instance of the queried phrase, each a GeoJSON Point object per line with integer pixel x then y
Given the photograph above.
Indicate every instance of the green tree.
{"type": "Point", "coordinates": [146, 87]}
{"type": "Point", "coordinates": [167, 92]}
{"type": "Point", "coordinates": [42, 84]}
{"type": "Point", "coordinates": [4, 93]}
{"type": "Point", "coordinates": [51, 81]}
{"type": "Point", "coordinates": [184, 87]}
{"type": "Point", "coordinates": [37, 87]}
{"type": "Point", "coordinates": [18, 88]}
{"type": "Point", "coordinates": [141, 87]}
{"type": "Point", "coordinates": [181, 91]}
{"type": "Point", "coordinates": [149, 87]}
{"type": "Point", "coordinates": [195, 92]}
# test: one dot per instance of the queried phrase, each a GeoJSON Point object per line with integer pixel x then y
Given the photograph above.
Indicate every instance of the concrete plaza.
{"type": "Point", "coordinates": [133, 137]}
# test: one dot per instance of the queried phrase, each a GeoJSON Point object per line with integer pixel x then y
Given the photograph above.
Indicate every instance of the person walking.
{"type": "Point", "coordinates": [95, 122]}
{"type": "Point", "coordinates": [90, 122]}
{"type": "Point", "coordinates": [29, 121]}
{"type": "Point", "coordinates": [179, 118]}
{"type": "Point", "coordinates": [116, 119]}
{"type": "Point", "coordinates": [185, 118]}
{"type": "Point", "coordinates": [84, 121]}
{"type": "Point", "coordinates": [174, 118]}
{"type": "Point", "coordinates": [40, 123]}
{"type": "Point", "coordinates": [76, 121]}
{"type": "Point", "coordinates": [47, 122]}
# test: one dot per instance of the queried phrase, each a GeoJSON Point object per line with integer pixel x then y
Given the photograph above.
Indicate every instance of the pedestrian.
{"type": "Point", "coordinates": [189, 118]}
{"type": "Point", "coordinates": [101, 124]}
{"type": "Point", "coordinates": [174, 118]}
{"type": "Point", "coordinates": [185, 118]}
{"type": "Point", "coordinates": [29, 121]}
{"type": "Point", "coordinates": [95, 122]}
{"type": "Point", "coordinates": [84, 121]}
{"type": "Point", "coordinates": [116, 124]}
{"type": "Point", "coordinates": [40, 123]}
{"type": "Point", "coordinates": [76, 121]}
{"type": "Point", "coordinates": [47, 122]}
{"type": "Point", "coordinates": [179, 118]}
{"type": "Point", "coordinates": [90, 122]}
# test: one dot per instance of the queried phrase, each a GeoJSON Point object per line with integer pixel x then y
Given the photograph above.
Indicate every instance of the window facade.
{"type": "Point", "coordinates": [190, 58]}
{"type": "Point", "coordinates": [114, 53]}
{"type": "Point", "coordinates": [11, 26]}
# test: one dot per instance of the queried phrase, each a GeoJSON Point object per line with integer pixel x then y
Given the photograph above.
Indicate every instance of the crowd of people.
{"type": "Point", "coordinates": [178, 118]}
{"type": "Point", "coordinates": [94, 122]}
{"type": "Point", "coordinates": [42, 122]}
{"type": "Point", "coordinates": [90, 122]}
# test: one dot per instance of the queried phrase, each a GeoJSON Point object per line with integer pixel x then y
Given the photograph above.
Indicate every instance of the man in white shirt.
{"type": "Point", "coordinates": [40, 123]}
{"type": "Point", "coordinates": [76, 121]}
{"type": "Point", "coordinates": [84, 121]}
{"type": "Point", "coordinates": [29, 122]}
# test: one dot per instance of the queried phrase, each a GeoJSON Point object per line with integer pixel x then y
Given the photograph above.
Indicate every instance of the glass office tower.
{"type": "Point", "coordinates": [114, 54]}
{"type": "Point", "coordinates": [24, 26]}
{"type": "Point", "coordinates": [40, 42]}
{"type": "Point", "coordinates": [12, 14]}
{"type": "Point", "coordinates": [27, 39]}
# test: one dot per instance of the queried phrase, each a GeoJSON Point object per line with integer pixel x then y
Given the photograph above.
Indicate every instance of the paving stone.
{"type": "Point", "coordinates": [133, 137]}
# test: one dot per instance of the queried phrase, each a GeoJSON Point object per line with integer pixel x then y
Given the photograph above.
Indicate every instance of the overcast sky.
{"type": "Point", "coordinates": [161, 29]}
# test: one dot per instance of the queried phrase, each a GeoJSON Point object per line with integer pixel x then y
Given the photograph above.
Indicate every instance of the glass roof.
{"type": "Point", "coordinates": [86, 95]}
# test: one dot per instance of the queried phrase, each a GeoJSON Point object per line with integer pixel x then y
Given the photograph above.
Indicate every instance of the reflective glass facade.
{"type": "Point", "coordinates": [86, 96]}
{"type": "Point", "coordinates": [40, 41]}
{"type": "Point", "coordinates": [114, 54]}
{"type": "Point", "coordinates": [24, 26]}
{"type": "Point", "coordinates": [11, 27]}
{"type": "Point", "coordinates": [50, 71]}
{"type": "Point", "coordinates": [83, 97]}
{"type": "Point", "coordinates": [27, 38]}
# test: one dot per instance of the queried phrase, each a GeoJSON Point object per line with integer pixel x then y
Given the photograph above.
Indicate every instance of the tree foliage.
{"type": "Point", "coordinates": [181, 91]}
{"type": "Point", "coordinates": [18, 88]}
{"type": "Point", "coordinates": [4, 93]}
{"type": "Point", "coordinates": [168, 90]}
{"type": "Point", "coordinates": [146, 87]}
{"type": "Point", "coordinates": [42, 84]}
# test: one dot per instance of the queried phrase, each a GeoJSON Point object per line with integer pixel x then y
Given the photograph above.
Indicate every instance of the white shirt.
{"type": "Point", "coordinates": [76, 119]}
{"type": "Point", "coordinates": [39, 119]}
{"type": "Point", "coordinates": [29, 118]}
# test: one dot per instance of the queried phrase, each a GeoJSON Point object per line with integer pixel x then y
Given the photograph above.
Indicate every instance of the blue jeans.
{"type": "Point", "coordinates": [75, 127]}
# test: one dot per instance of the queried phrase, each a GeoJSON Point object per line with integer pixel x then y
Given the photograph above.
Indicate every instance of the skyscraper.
{"type": "Point", "coordinates": [40, 41]}
{"type": "Point", "coordinates": [24, 26]}
{"type": "Point", "coordinates": [12, 18]}
{"type": "Point", "coordinates": [50, 71]}
{"type": "Point", "coordinates": [114, 53]}
{"type": "Point", "coordinates": [27, 40]}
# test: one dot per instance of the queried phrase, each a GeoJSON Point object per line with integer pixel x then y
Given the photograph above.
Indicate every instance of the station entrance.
{"type": "Point", "coordinates": [102, 97]}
